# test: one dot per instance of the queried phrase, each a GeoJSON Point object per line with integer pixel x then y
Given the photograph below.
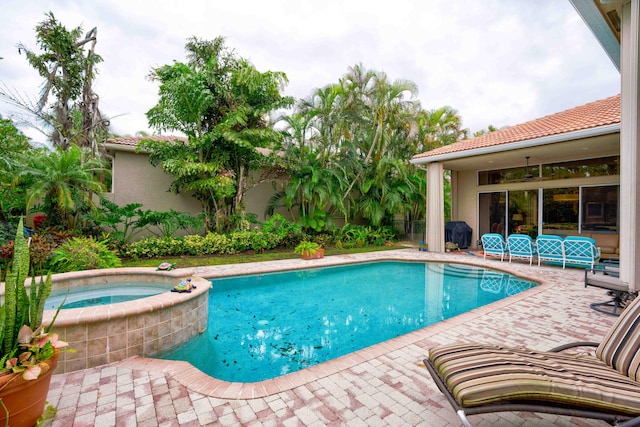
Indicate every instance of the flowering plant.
{"type": "Point", "coordinates": [34, 349]}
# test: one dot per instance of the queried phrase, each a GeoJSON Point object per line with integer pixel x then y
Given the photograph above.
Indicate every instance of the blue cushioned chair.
{"type": "Point", "coordinates": [580, 250]}
{"type": "Point", "coordinates": [521, 246]}
{"type": "Point", "coordinates": [550, 248]}
{"type": "Point", "coordinates": [493, 244]}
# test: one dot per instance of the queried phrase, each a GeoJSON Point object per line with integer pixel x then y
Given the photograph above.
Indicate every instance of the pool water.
{"type": "Point", "coordinates": [264, 326]}
{"type": "Point", "coordinates": [104, 294]}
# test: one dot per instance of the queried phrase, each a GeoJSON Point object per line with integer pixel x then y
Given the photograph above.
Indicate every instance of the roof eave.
{"type": "Point", "coordinates": [601, 28]}
{"type": "Point", "coordinates": [120, 147]}
{"type": "Point", "coordinates": [545, 140]}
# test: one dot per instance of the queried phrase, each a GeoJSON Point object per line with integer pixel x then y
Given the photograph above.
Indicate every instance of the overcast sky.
{"type": "Point", "coordinates": [498, 62]}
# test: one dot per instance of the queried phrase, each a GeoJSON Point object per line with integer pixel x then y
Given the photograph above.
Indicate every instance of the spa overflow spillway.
{"type": "Point", "coordinates": [264, 326]}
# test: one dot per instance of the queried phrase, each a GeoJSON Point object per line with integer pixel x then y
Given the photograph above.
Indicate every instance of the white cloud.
{"type": "Point", "coordinates": [497, 62]}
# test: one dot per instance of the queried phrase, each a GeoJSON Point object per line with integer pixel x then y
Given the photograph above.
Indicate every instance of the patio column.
{"type": "Point", "coordinates": [435, 207]}
{"type": "Point", "coordinates": [629, 154]}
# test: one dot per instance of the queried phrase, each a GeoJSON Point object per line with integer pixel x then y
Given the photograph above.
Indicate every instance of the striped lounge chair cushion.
{"type": "Point", "coordinates": [480, 374]}
{"type": "Point", "coordinates": [620, 347]}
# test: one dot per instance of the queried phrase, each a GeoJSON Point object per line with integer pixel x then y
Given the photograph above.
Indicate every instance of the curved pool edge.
{"type": "Point", "coordinates": [197, 381]}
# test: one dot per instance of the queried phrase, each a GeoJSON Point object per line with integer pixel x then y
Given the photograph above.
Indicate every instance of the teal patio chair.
{"type": "Point", "coordinates": [521, 246]}
{"type": "Point", "coordinates": [550, 248]}
{"type": "Point", "coordinates": [493, 244]}
{"type": "Point", "coordinates": [580, 250]}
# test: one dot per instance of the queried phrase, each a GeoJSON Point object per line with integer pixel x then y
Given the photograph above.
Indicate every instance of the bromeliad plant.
{"type": "Point", "coordinates": [25, 345]}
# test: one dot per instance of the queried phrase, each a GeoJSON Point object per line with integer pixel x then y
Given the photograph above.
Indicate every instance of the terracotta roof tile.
{"type": "Point", "coordinates": [594, 114]}
{"type": "Point", "coordinates": [135, 140]}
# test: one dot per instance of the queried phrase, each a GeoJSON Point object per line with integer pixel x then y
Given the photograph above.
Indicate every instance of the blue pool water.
{"type": "Point", "coordinates": [103, 294]}
{"type": "Point", "coordinates": [267, 325]}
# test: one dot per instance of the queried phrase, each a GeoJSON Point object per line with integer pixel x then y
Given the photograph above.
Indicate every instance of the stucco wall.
{"type": "Point", "coordinates": [135, 180]}
{"type": "Point", "coordinates": [465, 200]}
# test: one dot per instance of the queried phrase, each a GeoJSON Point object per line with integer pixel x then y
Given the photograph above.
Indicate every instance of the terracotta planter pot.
{"type": "Point", "coordinates": [316, 255]}
{"type": "Point", "coordinates": [25, 399]}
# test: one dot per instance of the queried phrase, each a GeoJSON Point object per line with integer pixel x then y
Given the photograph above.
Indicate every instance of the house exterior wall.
{"type": "Point", "coordinates": [466, 200]}
{"type": "Point", "coordinates": [135, 180]}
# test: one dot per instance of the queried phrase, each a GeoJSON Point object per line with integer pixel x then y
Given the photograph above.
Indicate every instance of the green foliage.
{"type": "Point", "coordinates": [288, 233]}
{"type": "Point", "coordinates": [357, 236]}
{"type": "Point", "coordinates": [220, 101]}
{"type": "Point", "coordinates": [20, 307]}
{"type": "Point", "coordinates": [83, 253]}
{"type": "Point", "coordinates": [120, 221]}
{"type": "Point", "coordinates": [14, 146]}
{"type": "Point", "coordinates": [275, 233]}
{"type": "Point", "coordinates": [68, 74]}
{"type": "Point", "coordinates": [168, 223]}
{"type": "Point", "coordinates": [41, 248]}
{"type": "Point", "coordinates": [306, 246]}
{"type": "Point", "coordinates": [347, 149]}
{"type": "Point", "coordinates": [64, 181]}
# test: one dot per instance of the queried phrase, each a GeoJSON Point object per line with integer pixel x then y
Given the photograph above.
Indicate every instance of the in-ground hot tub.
{"type": "Point", "coordinates": [140, 327]}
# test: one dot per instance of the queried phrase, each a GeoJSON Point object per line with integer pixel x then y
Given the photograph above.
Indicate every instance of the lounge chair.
{"type": "Point", "coordinates": [580, 250]}
{"type": "Point", "coordinates": [484, 378]}
{"type": "Point", "coordinates": [493, 244]}
{"type": "Point", "coordinates": [521, 246]}
{"type": "Point", "coordinates": [608, 278]}
{"type": "Point", "coordinates": [550, 248]}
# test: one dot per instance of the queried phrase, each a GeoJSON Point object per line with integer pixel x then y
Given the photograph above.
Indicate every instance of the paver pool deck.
{"type": "Point", "coordinates": [382, 385]}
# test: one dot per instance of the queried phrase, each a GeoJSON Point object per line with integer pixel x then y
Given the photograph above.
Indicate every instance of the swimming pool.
{"type": "Point", "coordinates": [103, 294]}
{"type": "Point", "coordinates": [264, 326]}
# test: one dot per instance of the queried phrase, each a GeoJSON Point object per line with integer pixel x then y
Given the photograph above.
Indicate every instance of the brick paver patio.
{"type": "Point", "coordinates": [383, 385]}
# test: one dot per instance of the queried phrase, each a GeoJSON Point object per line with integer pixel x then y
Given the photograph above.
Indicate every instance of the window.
{"type": "Point", "coordinates": [600, 208]}
{"type": "Point", "coordinates": [605, 166]}
{"type": "Point", "coordinates": [561, 208]}
{"type": "Point", "coordinates": [583, 168]}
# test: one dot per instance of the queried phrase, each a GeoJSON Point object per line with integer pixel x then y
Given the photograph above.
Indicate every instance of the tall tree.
{"type": "Point", "coordinates": [66, 64]}
{"type": "Point", "coordinates": [221, 102]}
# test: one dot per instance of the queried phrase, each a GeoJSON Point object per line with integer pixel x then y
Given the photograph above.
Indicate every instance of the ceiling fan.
{"type": "Point", "coordinates": [528, 176]}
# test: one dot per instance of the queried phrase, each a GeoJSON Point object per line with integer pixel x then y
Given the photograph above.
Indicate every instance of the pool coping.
{"type": "Point", "coordinates": [197, 381]}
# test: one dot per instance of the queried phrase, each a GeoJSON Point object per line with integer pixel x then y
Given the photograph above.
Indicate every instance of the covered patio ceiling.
{"type": "Point", "coordinates": [593, 147]}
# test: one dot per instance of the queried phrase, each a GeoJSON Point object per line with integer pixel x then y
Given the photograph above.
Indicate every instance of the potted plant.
{"type": "Point", "coordinates": [309, 250]}
{"type": "Point", "coordinates": [28, 351]}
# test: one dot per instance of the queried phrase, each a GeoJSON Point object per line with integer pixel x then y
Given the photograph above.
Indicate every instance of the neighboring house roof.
{"type": "Point", "coordinates": [588, 116]}
{"type": "Point", "coordinates": [130, 142]}
{"type": "Point", "coordinates": [133, 141]}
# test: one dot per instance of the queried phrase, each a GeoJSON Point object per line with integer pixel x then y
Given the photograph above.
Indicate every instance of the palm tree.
{"type": "Point", "coordinates": [62, 181]}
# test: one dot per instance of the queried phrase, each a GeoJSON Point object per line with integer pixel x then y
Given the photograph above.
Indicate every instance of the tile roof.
{"type": "Point", "coordinates": [594, 114]}
{"type": "Point", "coordinates": [133, 141]}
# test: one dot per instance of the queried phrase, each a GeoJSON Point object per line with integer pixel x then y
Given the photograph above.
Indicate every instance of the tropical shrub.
{"type": "Point", "coordinates": [356, 236]}
{"type": "Point", "coordinates": [83, 253]}
{"type": "Point", "coordinates": [289, 233]}
{"type": "Point", "coordinates": [41, 248]}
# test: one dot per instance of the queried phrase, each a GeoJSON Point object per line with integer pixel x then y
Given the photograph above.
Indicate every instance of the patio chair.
{"type": "Point", "coordinates": [493, 244]}
{"type": "Point", "coordinates": [550, 248]}
{"type": "Point", "coordinates": [580, 250]}
{"type": "Point", "coordinates": [607, 277]}
{"type": "Point", "coordinates": [521, 246]}
{"type": "Point", "coordinates": [484, 378]}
